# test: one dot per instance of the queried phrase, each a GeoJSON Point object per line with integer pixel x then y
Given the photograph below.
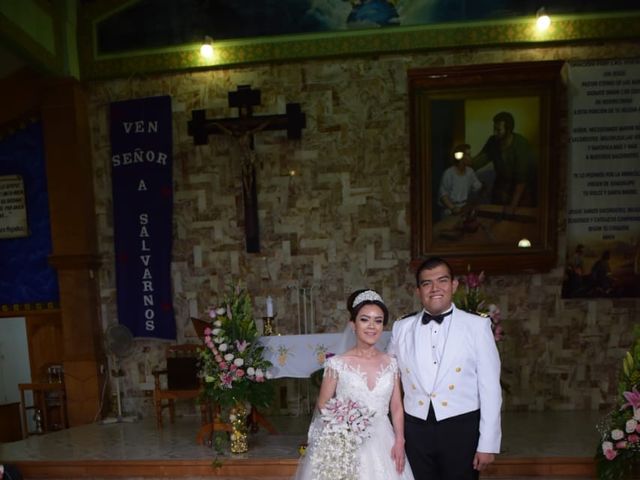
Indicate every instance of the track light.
{"type": "Point", "coordinates": [542, 19]}
{"type": "Point", "coordinates": [206, 50]}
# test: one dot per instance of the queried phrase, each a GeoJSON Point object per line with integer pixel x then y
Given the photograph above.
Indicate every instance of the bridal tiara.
{"type": "Point", "coordinates": [369, 295]}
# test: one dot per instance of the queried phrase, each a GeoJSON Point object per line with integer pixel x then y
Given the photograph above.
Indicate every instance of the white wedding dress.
{"type": "Point", "coordinates": [371, 386]}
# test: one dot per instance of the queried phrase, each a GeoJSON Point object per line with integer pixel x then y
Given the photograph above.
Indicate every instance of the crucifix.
{"type": "Point", "coordinates": [243, 127]}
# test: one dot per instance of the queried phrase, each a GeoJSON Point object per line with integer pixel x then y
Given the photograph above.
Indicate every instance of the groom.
{"type": "Point", "coordinates": [451, 380]}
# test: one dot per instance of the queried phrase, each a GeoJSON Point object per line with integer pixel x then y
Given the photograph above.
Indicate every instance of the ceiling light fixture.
{"type": "Point", "coordinates": [206, 50]}
{"type": "Point", "coordinates": [542, 19]}
{"type": "Point", "coordinates": [524, 243]}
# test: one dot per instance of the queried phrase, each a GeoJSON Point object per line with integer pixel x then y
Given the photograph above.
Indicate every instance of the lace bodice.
{"type": "Point", "coordinates": [370, 384]}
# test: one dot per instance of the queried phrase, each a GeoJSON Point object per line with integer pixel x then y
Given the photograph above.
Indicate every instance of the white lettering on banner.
{"type": "Point", "coordinates": [138, 156]}
{"type": "Point", "coordinates": [140, 126]}
{"type": "Point", "coordinates": [142, 187]}
{"type": "Point", "coordinates": [147, 277]}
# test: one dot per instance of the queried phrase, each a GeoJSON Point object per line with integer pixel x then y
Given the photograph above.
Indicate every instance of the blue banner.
{"type": "Point", "coordinates": [27, 281]}
{"type": "Point", "coordinates": [141, 169]}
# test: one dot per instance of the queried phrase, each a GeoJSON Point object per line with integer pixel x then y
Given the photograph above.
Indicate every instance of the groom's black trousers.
{"type": "Point", "coordinates": [442, 450]}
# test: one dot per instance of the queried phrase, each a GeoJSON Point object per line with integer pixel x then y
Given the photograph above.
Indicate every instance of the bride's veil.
{"type": "Point", "coordinates": [346, 341]}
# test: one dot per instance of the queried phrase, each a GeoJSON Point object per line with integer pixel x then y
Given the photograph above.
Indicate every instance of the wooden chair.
{"type": "Point", "coordinates": [182, 381]}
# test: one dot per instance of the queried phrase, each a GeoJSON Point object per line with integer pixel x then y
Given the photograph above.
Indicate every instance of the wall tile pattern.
{"type": "Point", "coordinates": [342, 222]}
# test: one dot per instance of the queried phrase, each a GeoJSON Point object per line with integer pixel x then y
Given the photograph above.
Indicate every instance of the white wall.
{"type": "Point", "coordinates": [14, 358]}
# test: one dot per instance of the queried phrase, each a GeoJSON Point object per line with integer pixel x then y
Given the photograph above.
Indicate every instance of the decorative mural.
{"type": "Point", "coordinates": [163, 23]}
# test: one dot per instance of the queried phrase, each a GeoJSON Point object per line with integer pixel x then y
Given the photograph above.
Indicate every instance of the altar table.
{"type": "Point", "coordinates": [298, 356]}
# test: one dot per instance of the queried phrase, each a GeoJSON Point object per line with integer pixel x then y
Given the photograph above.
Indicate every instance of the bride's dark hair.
{"type": "Point", "coordinates": [354, 309]}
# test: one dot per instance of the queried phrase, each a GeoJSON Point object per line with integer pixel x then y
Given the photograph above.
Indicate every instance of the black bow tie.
{"type": "Point", "coordinates": [427, 317]}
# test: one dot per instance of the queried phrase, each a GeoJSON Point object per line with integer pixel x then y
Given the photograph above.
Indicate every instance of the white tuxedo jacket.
{"type": "Point", "coordinates": [466, 378]}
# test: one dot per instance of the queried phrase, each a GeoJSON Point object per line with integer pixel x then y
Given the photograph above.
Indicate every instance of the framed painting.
{"type": "Point", "coordinates": [484, 160]}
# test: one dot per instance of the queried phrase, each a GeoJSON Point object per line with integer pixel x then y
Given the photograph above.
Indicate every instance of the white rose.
{"type": "Point", "coordinates": [216, 331]}
{"type": "Point", "coordinates": [259, 372]}
{"type": "Point", "coordinates": [269, 374]}
{"type": "Point", "coordinates": [636, 414]}
{"type": "Point", "coordinates": [228, 357]}
{"type": "Point", "coordinates": [217, 323]}
{"type": "Point", "coordinates": [238, 362]}
{"type": "Point", "coordinates": [631, 425]}
{"type": "Point", "coordinates": [251, 371]}
{"type": "Point", "coordinates": [223, 347]}
{"type": "Point", "coordinates": [617, 434]}
{"type": "Point", "coordinates": [221, 311]}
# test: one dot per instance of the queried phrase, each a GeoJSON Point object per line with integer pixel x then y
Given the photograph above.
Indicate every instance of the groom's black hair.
{"type": "Point", "coordinates": [354, 309]}
{"type": "Point", "coordinates": [431, 263]}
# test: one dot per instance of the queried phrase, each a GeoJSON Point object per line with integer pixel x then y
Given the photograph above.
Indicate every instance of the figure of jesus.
{"type": "Point", "coordinates": [244, 137]}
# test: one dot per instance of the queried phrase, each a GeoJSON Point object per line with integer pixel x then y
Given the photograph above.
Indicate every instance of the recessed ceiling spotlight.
{"type": "Point", "coordinates": [206, 50]}
{"type": "Point", "coordinates": [542, 19]}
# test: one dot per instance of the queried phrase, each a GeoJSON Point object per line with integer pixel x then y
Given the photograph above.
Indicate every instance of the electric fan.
{"type": "Point", "coordinates": [118, 344]}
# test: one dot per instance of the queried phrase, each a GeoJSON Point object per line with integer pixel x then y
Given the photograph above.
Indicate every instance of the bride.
{"type": "Point", "coordinates": [369, 377]}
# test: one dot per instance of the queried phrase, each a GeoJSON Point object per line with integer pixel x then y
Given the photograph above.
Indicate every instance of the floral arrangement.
{"type": "Point", "coordinates": [232, 365]}
{"type": "Point", "coordinates": [470, 297]}
{"type": "Point", "coordinates": [345, 426]}
{"type": "Point", "coordinates": [619, 446]}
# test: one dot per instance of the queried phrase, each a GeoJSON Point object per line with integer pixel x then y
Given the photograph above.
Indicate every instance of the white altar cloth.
{"type": "Point", "coordinates": [298, 356]}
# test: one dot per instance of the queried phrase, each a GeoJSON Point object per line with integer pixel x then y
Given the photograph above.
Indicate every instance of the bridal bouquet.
{"type": "Point", "coordinates": [346, 424]}
{"type": "Point", "coordinates": [619, 447]}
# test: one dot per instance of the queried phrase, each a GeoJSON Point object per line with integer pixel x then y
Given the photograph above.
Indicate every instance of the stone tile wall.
{"type": "Point", "coordinates": [342, 222]}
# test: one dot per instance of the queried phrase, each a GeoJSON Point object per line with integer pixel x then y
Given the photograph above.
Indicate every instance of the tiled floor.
{"type": "Point", "coordinates": [562, 434]}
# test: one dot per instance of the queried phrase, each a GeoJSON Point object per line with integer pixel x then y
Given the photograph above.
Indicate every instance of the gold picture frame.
{"type": "Point", "coordinates": [505, 118]}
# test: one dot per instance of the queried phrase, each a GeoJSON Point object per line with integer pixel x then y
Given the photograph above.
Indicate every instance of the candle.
{"type": "Point", "coordinates": [269, 307]}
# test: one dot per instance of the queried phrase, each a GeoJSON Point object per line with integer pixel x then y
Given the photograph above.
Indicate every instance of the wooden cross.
{"type": "Point", "coordinates": [243, 128]}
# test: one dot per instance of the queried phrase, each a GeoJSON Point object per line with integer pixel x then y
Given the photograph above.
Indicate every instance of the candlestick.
{"type": "Point", "coordinates": [267, 329]}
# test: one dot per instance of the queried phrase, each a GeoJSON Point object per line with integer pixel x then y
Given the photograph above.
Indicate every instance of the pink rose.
{"type": "Point", "coordinates": [218, 358]}
{"type": "Point", "coordinates": [207, 331]}
{"type": "Point", "coordinates": [223, 365]}
{"type": "Point", "coordinates": [633, 438]}
{"type": "Point", "coordinates": [239, 372]}
{"type": "Point", "coordinates": [233, 368]}
{"type": "Point", "coordinates": [610, 454]}
{"type": "Point", "coordinates": [259, 378]}
{"type": "Point", "coordinates": [621, 444]}
{"type": "Point", "coordinates": [212, 313]}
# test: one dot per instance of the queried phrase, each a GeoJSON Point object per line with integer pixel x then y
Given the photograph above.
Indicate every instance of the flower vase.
{"type": "Point", "coordinates": [239, 429]}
